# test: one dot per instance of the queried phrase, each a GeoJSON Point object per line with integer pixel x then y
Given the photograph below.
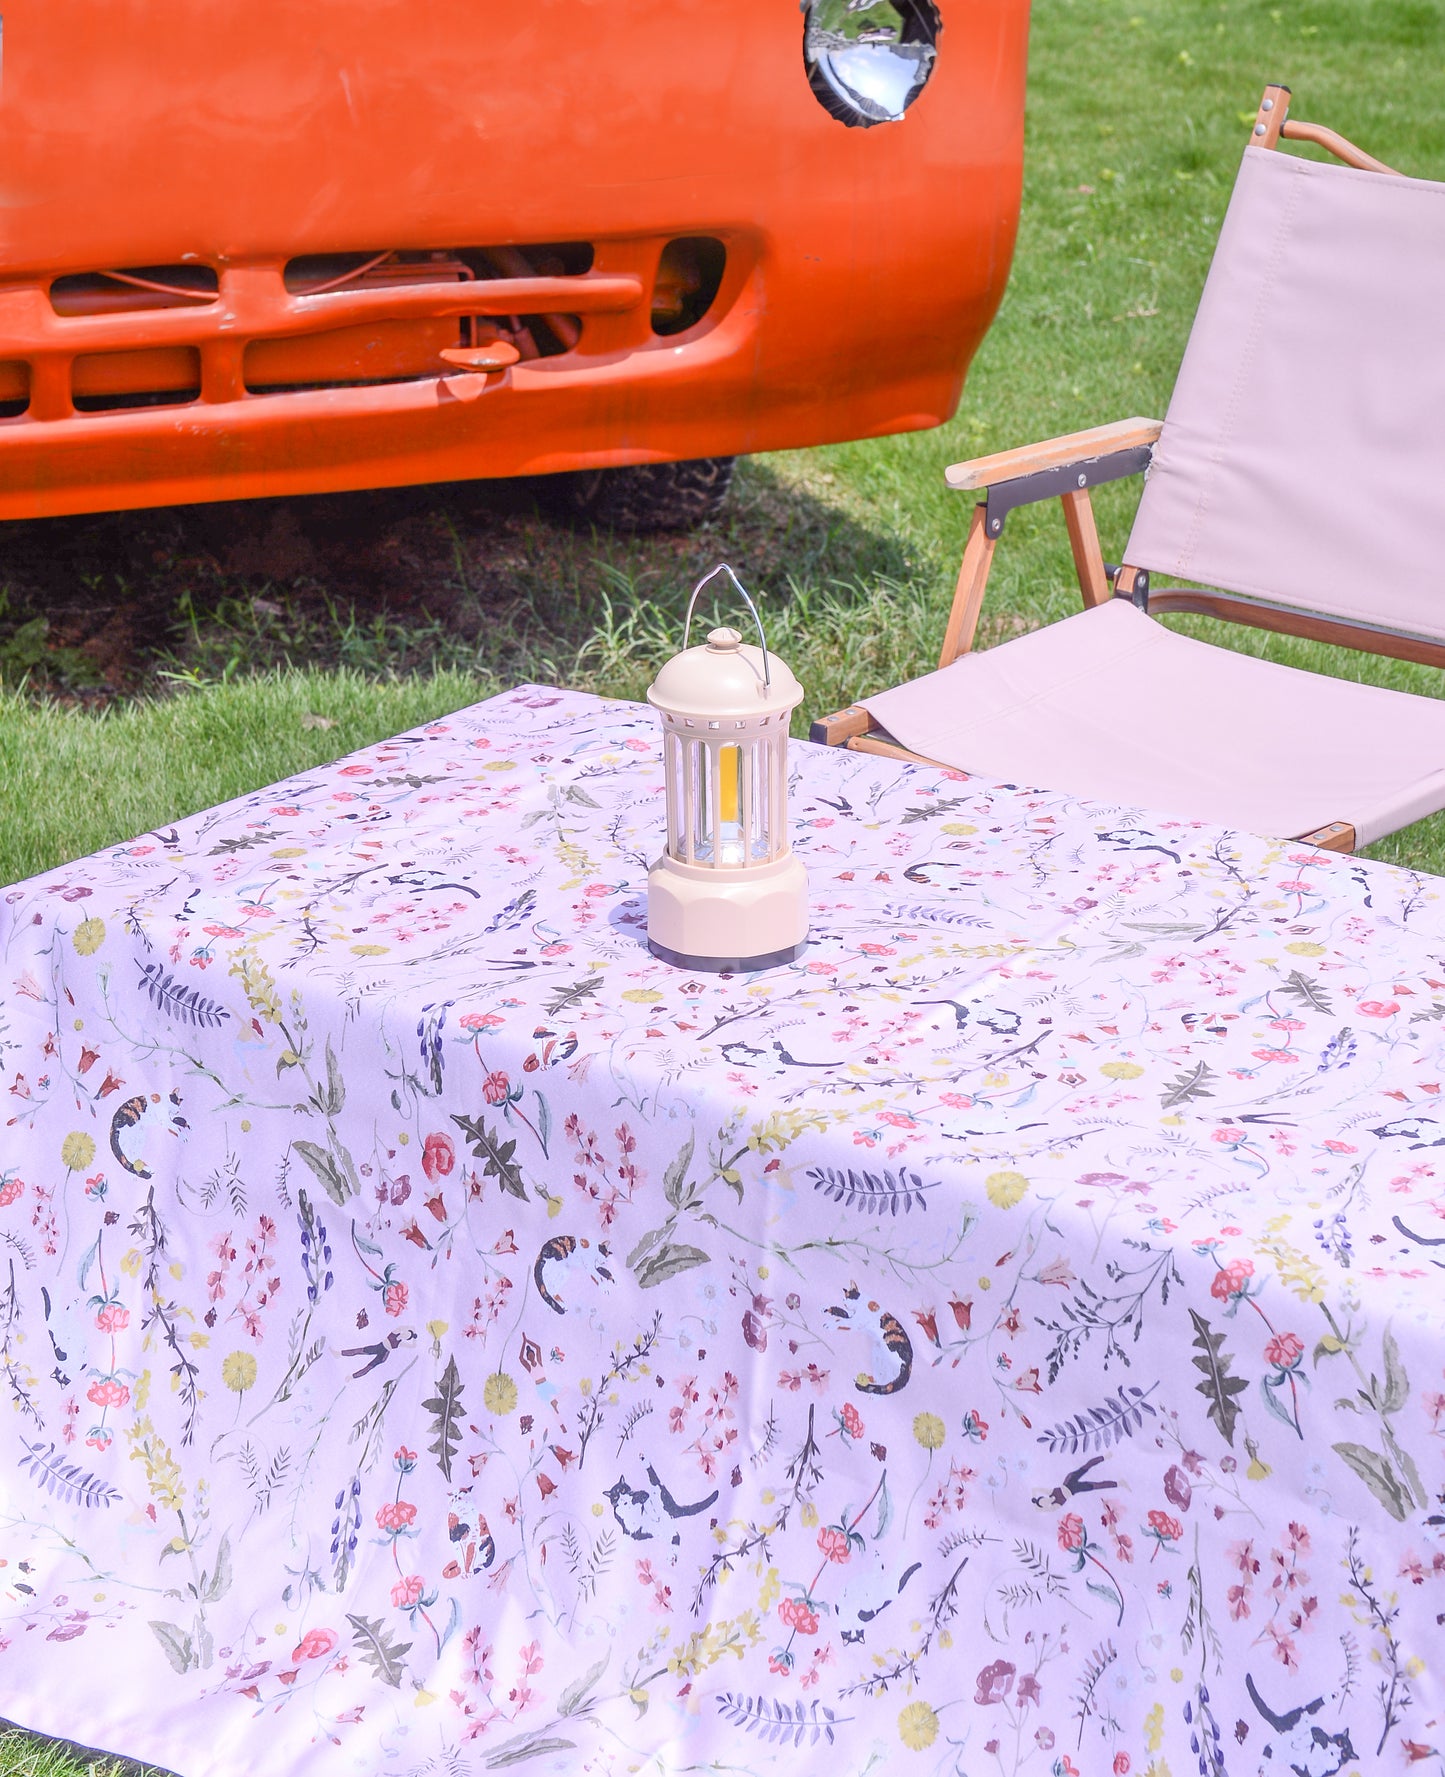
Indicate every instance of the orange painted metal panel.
{"type": "Point", "coordinates": [169, 140]}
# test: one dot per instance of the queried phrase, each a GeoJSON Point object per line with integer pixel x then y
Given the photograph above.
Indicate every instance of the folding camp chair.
{"type": "Point", "coordinates": [1302, 469]}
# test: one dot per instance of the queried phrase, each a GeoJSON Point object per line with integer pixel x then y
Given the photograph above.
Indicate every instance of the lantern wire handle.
{"type": "Point", "coordinates": [723, 568]}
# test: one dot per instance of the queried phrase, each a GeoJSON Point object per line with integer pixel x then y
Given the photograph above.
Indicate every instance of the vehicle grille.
{"type": "Point", "coordinates": [163, 335]}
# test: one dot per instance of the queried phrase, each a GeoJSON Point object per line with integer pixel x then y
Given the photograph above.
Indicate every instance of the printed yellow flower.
{"type": "Point", "coordinates": [1005, 1189]}
{"type": "Point", "coordinates": [930, 1431]}
{"type": "Point", "coordinates": [960, 829]}
{"type": "Point", "coordinates": [1121, 1070]}
{"type": "Point", "coordinates": [1303, 949]}
{"type": "Point", "coordinates": [642, 996]}
{"type": "Point", "coordinates": [238, 1371]}
{"type": "Point", "coordinates": [88, 936]}
{"type": "Point", "coordinates": [77, 1150]}
{"type": "Point", "coordinates": [500, 1393]}
{"type": "Point", "coordinates": [917, 1726]}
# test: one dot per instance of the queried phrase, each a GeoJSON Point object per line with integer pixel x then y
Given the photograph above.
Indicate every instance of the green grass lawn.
{"type": "Point", "coordinates": [1138, 112]}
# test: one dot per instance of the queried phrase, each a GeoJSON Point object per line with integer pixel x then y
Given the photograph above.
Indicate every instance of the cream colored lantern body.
{"type": "Point", "coordinates": [727, 894]}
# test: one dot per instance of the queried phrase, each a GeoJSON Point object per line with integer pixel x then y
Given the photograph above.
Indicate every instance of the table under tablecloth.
{"type": "Point", "coordinates": [438, 1336]}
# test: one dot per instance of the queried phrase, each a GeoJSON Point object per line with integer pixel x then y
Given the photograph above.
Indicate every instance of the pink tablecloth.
{"type": "Point", "coordinates": [439, 1337]}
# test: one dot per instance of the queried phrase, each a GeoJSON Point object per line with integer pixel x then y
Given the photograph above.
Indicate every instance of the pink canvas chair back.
{"type": "Point", "coordinates": [1303, 457]}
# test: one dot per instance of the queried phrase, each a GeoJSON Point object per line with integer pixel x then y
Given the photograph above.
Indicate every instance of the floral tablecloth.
{"type": "Point", "coordinates": [437, 1337]}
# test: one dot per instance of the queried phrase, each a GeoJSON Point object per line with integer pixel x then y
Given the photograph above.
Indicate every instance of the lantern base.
{"type": "Point", "coordinates": [727, 965]}
{"type": "Point", "coordinates": [728, 920]}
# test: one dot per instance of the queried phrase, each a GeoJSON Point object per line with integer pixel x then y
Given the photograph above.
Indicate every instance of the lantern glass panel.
{"type": "Point", "coordinates": [701, 776]}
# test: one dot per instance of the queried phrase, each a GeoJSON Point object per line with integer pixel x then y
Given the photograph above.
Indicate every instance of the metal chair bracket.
{"type": "Point", "coordinates": [1025, 490]}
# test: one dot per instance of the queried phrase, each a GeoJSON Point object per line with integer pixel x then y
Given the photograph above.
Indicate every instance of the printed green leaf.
{"type": "Point", "coordinates": [675, 1177]}
{"type": "Point", "coordinates": [335, 1085]}
{"type": "Point", "coordinates": [380, 1652]}
{"type": "Point", "coordinates": [445, 1407]}
{"type": "Point", "coordinates": [667, 1261]}
{"type": "Point", "coordinates": [177, 1645]}
{"type": "Point", "coordinates": [573, 995]}
{"type": "Point", "coordinates": [1218, 1387]}
{"type": "Point", "coordinates": [1378, 1476]}
{"type": "Point", "coordinates": [1271, 1391]}
{"type": "Point", "coordinates": [329, 1174]}
{"type": "Point", "coordinates": [1397, 1383]}
{"type": "Point", "coordinates": [1192, 1084]}
{"type": "Point", "coordinates": [220, 1582]}
{"type": "Point", "coordinates": [929, 810]}
{"type": "Point", "coordinates": [646, 1244]}
{"type": "Point", "coordinates": [488, 1146]}
{"type": "Point", "coordinates": [516, 1752]}
{"type": "Point", "coordinates": [577, 1693]}
{"type": "Point", "coordinates": [1300, 987]}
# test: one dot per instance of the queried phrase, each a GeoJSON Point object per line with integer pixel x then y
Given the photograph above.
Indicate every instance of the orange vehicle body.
{"type": "Point", "coordinates": [236, 239]}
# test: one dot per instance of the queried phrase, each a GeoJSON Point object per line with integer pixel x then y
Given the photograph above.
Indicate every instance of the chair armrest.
{"type": "Point", "coordinates": [1053, 453]}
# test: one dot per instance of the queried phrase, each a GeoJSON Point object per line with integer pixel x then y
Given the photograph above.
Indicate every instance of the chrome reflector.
{"type": "Point", "coordinates": [868, 60]}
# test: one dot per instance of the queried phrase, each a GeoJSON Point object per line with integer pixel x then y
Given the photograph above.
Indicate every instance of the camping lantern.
{"type": "Point", "coordinates": [727, 894]}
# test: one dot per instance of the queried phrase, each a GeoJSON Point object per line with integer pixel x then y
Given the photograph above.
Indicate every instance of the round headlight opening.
{"type": "Point", "coordinates": [868, 60]}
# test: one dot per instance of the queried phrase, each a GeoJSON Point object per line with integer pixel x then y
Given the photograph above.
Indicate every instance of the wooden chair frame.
{"type": "Point", "coordinates": [1067, 468]}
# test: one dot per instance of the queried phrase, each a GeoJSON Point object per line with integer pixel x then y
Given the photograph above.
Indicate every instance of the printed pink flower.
{"type": "Point", "coordinates": [495, 1087]}
{"type": "Point", "coordinates": [1284, 1349]}
{"type": "Point", "coordinates": [1123, 1764]}
{"type": "Point", "coordinates": [315, 1644]}
{"type": "Point", "coordinates": [834, 1544]}
{"type": "Point", "coordinates": [1379, 1008]}
{"type": "Point", "coordinates": [406, 1591]}
{"type": "Point", "coordinates": [396, 1515]}
{"type": "Point", "coordinates": [1232, 1280]}
{"type": "Point", "coordinates": [851, 1417]}
{"type": "Point", "coordinates": [1029, 1690]}
{"type": "Point", "coordinates": [799, 1615]}
{"type": "Point", "coordinates": [481, 1020]}
{"type": "Point", "coordinates": [1071, 1532]}
{"type": "Point", "coordinates": [995, 1682]}
{"type": "Point", "coordinates": [438, 1156]}
{"type": "Point", "coordinates": [112, 1318]}
{"type": "Point", "coordinates": [394, 1297]}
{"type": "Point", "coordinates": [1167, 1529]}
{"type": "Point", "coordinates": [10, 1190]}
{"type": "Point", "coordinates": [109, 1393]}
{"type": "Point", "coordinates": [1177, 1488]}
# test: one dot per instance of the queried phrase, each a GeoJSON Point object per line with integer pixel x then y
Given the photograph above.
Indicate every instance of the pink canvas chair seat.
{"type": "Point", "coordinates": [1299, 474]}
{"type": "Point", "coordinates": [1115, 708]}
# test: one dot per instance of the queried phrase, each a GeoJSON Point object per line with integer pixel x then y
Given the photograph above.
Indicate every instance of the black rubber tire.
{"type": "Point", "coordinates": [644, 496]}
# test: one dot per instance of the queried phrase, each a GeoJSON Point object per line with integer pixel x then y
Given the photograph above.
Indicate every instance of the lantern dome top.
{"type": "Point", "coordinates": [725, 679]}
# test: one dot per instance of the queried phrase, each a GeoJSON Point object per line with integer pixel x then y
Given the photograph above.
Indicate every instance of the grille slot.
{"type": "Point", "coordinates": [154, 376]}
{"type": "Point", "coordinates": [134, 290]}
{"type": "Point", "coordinates": [14, 387]}
{"type": "Point", "coordinates": [689, 276]}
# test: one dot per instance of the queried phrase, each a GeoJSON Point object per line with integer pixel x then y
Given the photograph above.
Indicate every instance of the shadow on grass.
{"type": "Point", "coordinates": [390, 582]}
